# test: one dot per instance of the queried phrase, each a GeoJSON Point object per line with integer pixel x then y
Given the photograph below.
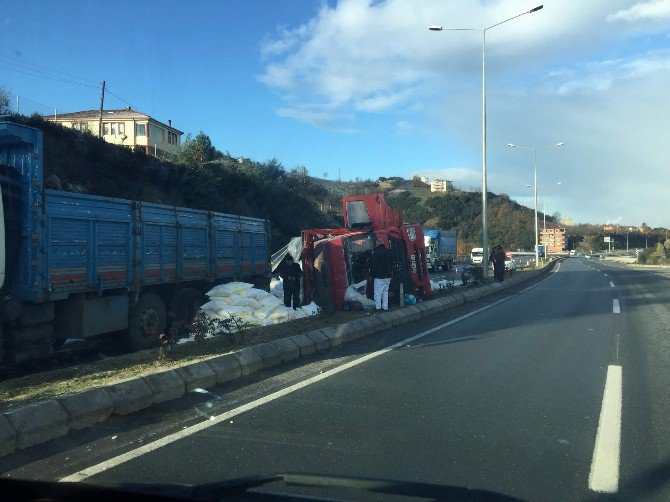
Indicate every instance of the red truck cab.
{"type": "Point", "coordinates": [334, 259]}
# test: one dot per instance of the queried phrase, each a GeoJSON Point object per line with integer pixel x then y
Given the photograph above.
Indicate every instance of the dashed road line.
{"type": "Point", "coordinates": [611, 284]}
{"type": "Point", "coordinates": [616, 308]}
{"type": "Point", "coordinates": [604, 474]}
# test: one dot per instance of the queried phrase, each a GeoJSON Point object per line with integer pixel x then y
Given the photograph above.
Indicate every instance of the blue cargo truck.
{"type": "Point", "coordinates": [77, 266]}
{"type": "Point", "coordinates": [441, 248]}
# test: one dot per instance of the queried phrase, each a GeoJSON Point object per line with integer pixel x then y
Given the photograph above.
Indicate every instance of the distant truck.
{"type": "Point", "coordinates": [441, 248]}
{"type": "Point", "coordinates": [77, 266]}
{"type": "Point", "coordinates": [477, 256]}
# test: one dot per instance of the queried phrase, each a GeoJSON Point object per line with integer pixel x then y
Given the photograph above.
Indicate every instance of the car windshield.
{"type": "Point", "coordinates": [343, 249]}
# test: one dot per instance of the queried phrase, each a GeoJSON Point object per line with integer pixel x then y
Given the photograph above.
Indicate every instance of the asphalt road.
{"type": "Point", "coordinates": [555, 390]}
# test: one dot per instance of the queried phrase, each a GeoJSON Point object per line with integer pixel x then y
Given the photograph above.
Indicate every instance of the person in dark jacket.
{"type": "Point", "coordinates": [498, 259]}
{"type": "Point", "coordinates": [290, 274]}
{"type": "Point", "coordinates": [381, 268]}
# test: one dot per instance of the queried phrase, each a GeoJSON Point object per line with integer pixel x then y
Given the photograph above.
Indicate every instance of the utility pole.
{"type": "Point", "coordinates": [102, 104]}
{"type": "Point", "coordinates": [18, 105]}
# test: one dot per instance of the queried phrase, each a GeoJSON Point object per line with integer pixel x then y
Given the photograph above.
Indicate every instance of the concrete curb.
{"type": "Point", "coordinates": [40, 422]}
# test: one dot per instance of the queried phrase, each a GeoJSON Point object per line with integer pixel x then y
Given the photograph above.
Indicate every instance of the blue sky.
{"type": "Point", "coordinates": [363, 89]}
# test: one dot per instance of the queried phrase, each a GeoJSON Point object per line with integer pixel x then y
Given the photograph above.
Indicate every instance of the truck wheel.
{"type": "Point", "coordinates": [184, 305]}
{"type": "Point", "coordinates": [147, 322]}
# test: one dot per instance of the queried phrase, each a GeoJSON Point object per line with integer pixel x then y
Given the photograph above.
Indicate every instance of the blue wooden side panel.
{"type": "Point", "coordinates": [241, 245]}
{"type": "Point", "coordinates": [225, 230]}
{"type": "Point", "coordinates": [255, 246]}
{"type": "Point", "coordinates": [194, 248]}
{"type": "Point", "coordinates": [89, 243]}
{"type": "Point", "coordinates": [159, 243]}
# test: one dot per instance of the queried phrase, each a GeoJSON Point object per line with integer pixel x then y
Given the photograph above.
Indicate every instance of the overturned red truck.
{"type": "Point", "coordinates": [335, 258]}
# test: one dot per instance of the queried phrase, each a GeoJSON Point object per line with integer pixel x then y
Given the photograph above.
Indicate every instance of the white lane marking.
{"type": "Point", "coordinates": [214, 420]}
{"type": "Point", "coordinates": [606, 275]}
{"type": "Point", "coordinates": [616, 308]}
{"type": "Point", "coordinates": [604, 475]}
{"type": "Point", "coordinates": [611, 284]}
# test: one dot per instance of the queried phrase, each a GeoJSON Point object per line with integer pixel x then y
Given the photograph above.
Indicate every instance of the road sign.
{"type": "Point", "coordinates": [608, 239]}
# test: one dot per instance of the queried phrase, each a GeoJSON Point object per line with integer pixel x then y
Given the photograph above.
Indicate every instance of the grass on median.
{"type": "Point", "coordinates": [66, 380]}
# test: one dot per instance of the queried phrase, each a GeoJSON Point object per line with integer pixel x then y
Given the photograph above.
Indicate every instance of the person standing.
{"type": "Point", "coordinates": [498, 259]}
{"type": "Point", "coordinates": [381, 268]}
{"type": "Point", "coordinates": [290, 274]}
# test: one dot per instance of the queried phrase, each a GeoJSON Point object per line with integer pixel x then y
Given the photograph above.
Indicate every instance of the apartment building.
{"type": "Point", "coordinates": [553, 239]}
{"type": "Point", "coordinates": [440, 186]}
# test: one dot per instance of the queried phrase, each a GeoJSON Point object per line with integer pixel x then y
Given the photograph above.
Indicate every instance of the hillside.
{"type": "Point", "coordinates": [509, 223]}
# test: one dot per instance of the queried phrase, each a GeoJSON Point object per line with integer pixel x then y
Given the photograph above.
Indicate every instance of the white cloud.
{"type": "Point", "coordinates": [656, 9]}
{"type": "Point", "coordinates": [599, 76]}
{"type": "Point", "coordinates": [318, 118]}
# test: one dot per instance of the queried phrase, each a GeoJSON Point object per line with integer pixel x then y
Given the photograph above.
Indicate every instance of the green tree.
{"type": "Point", "coordinates": [196, 151]}
{"type": "Point", "coordinates": [591, 243]}
{"type": "Point", "coordinates": [4, 101]}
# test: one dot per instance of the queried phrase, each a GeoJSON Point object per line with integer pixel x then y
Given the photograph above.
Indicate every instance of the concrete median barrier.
{"type": "Point", "coordinates": [38, 422]}
{"type": "Point", "coordinates": [225, 367]}
{"type": "Point", "coordinates": [197, 375]}
{"type": "Point", "coordinates": [131, 395]}
{"type": "Point", "coordinates": [166, 385]}
{"type": "Point", "coordinates": [288, 348]}
{"type": "Point", "coordinates": [87, 408]}
{"type": "Point", "coordinates": [306, 344]}
{"type": "Point", "coordinates": [320, 340]}
{"type": "Point", "coordinates": [270, 354]}
{"type": "Point", "coordinates": [9, 437]}
{"type": "Point", "coordinates": [249, 360]}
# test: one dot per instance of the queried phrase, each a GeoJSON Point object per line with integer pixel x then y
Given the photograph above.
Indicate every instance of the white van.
{"type": "Point", "coordinates": [477, 256]}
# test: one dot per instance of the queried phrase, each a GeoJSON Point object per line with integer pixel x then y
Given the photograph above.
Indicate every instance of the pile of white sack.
{"type": "Point", "coordinates": [444, 284]}
{"type": "Point", "coordinates": [250, 306]}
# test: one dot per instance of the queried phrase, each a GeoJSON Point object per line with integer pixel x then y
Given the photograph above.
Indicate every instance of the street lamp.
{"type": "Point", "coordinates": [535, 150]}
{"type": "Point", "coordinates": [433, 27]}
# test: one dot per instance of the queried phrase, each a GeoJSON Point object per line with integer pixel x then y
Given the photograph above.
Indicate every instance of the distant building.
{"type": "Point", "coordinates": [553, 239]}
{"type": "Point", "coordinates": [440, 186]}
{"type": "Point", "coordinates": [125, 127]}
{"type": "Point", "coordinates": [425, 179]}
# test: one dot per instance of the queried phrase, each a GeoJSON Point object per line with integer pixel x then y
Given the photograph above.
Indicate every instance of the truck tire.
{"type": "Point", "coordinates": [184, 305]}
{"type": "Point", "coordinates": [147, 322]}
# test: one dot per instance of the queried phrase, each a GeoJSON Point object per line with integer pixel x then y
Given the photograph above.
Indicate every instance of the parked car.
{"type": "Point", "coordinates": [510, 262]}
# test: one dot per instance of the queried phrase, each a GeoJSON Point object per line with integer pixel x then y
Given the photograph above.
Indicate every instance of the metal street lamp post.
{"type": "Point", "coordinates": [535, 150]}
{"type": "Point", "coordinates": [485, 234]}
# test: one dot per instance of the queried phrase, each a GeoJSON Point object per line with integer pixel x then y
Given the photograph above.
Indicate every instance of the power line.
{"type": "Point", "coordinates": [19, 61]}
{"type": "Point", "coordinates": [118, 97]}
{"type": "Point", "coordinates": [50, 77]}
{"type": "Point", "coordinates": [24, 67]}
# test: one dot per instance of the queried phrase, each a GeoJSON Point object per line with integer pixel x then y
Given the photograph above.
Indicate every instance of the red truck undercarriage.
{"type": "Point", "coordinates": [335, 258]}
